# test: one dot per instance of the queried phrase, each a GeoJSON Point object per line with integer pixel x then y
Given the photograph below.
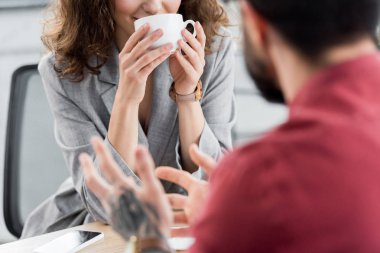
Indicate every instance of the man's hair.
{"type": "Point", "coordinates": [312, 27]}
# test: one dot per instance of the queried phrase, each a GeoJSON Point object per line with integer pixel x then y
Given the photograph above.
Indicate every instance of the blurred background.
{"type": "Point", "coordinates": [31, 165]}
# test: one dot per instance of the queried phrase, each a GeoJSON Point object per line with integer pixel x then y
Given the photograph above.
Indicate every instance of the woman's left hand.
{"type": "Point", "coordinates": [187, 69]}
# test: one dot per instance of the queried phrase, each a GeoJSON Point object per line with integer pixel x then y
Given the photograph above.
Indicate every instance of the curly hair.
{"type": "Point", "coordinates": [79, 31]}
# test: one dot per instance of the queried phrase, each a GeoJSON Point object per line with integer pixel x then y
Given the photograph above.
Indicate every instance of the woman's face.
{"type": "Point", "coordinates": [128, 11]}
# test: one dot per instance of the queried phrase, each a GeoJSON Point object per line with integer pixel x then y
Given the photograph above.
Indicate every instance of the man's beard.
{"type": "Point", "coordinates": [260, 72]}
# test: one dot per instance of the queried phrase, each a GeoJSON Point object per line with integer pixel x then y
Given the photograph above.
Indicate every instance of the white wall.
{"type": "Point", "coordinates": [20, 45]}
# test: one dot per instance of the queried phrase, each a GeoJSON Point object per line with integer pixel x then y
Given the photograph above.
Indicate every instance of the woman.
{"type": "Point", "coordinates": [102, 79]}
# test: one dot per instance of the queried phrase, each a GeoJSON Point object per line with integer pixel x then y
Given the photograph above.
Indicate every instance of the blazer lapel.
{"type": "Point", "coordinates": [163, 113]}
{"type": "Point", "coordinates": [108, 80]}
{"type": "Point", "coordinates": [163, 110]}
{"type": "Point", "coordinates": [109, 72]}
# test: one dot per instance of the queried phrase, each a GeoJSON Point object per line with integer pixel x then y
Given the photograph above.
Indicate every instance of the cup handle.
{"type": "Point", "coordinates": [193, 24]}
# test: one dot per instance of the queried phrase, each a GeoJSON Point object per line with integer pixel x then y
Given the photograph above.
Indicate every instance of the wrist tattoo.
{"type": "Point", "coordinates": [131, 217]}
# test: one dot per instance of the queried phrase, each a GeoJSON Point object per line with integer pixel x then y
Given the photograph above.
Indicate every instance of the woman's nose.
{"type": "Point", "coordinates": [152, 6]}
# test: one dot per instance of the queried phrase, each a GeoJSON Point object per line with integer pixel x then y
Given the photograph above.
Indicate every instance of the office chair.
{"type": "Point", "coordinates": [34, 165]}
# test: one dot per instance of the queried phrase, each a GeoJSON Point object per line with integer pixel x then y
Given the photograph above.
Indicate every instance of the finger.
{"type": "Point", "coordinates": [180, 218]}
{"type": "Point", "coordinates": [152, 56]}
{"type": "Point", "coordinates": [135, 38]}
{"type": "Point", "coordinates": [154, 64]}
{"type": "Point", "coordinates": [179, 177]}
{"type": "Point", "coordinates": [194, 43]}
{"type": "Point", "coordinates": [180, 232]}
{"type": "Point", "coordinates": [145, 169]}
{"type": "Point", "coordinates": [187, 67]}
{"type": "Point", "coordinates": [131, 184]}
{"type": "Point", "coordinates": [108, 166]}
{"type": "Point", "coordinates": [201, 36]}
{"type": "Point", "coordinates": [177, 201]}
{"type": "Point", "coordinates": [146, 43]}
{"type": "Point", "coordinates": [92, 179]}
{"type": "Point", "coordinates": [192, 55]}
{"type": "Point", "coordinates": [207, 163]}
{"type": "Point", "coordinates": [140, 48]}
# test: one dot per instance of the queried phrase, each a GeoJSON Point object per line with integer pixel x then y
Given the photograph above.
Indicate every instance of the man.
{"type": "Point", "coordinates": [311, 185]}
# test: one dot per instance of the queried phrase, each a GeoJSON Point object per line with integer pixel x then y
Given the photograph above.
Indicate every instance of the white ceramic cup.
{"type": "Point", "coordinates": [171, 25]}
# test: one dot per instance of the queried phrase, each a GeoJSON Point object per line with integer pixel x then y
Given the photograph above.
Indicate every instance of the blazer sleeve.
{"type": "Point", "coordinates": [218, 104]}
{"type": "Point", "coordinates": [73, 132]}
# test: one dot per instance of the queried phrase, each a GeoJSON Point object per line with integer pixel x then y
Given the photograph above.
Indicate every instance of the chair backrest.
{"type": "Point", "coordinates": [34, 165]}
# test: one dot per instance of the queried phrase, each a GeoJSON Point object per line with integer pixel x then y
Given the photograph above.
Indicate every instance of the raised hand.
{"type": "Point", "coordinates": [197, 189]}
{"type": "Point", "coordinates": [144, 210]}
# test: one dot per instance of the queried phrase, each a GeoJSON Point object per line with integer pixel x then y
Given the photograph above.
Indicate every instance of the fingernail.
{"type": "Point", "coordinates": [158, 32]}
{"type": "Point", "coordinates": [145, 26]}
{"type": "Point", "coordinates": [169, 46]}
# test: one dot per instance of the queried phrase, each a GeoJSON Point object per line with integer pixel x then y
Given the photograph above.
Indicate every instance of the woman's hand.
{"type": "Point", "coordinates": [137, 62]}
{"type": "Point", "coordinates": [144, 210]}
{"type": "Point", "coordinates": [187, 69]}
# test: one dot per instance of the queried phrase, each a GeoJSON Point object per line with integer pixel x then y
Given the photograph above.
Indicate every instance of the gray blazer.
{"type": "Point", "coordinates": [82, 110]}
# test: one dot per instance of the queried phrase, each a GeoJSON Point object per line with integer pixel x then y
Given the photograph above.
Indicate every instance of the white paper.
{"type": "Point", "coordinates": [181, 243]}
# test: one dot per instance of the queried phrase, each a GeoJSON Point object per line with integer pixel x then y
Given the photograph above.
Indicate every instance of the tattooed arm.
{"type": "Point", "coordinates": [141, 211]}
{"type": "Point", "coordinates": [132, 217]}
{"type": "Point", "coordinates": [144, 211]}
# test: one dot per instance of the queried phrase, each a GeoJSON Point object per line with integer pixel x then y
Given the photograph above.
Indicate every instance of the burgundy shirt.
{"type": "Point", "coordinates": [313, 184]}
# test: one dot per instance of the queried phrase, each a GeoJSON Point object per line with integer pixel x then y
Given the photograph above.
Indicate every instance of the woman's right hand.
{"type": "Point", "coordinates": [137, 62]}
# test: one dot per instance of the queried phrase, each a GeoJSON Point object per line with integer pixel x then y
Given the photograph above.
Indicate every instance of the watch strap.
{"type": "Point", "coordinates": [195, 96]}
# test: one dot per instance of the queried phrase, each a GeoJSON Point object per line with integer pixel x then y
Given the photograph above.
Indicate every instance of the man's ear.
{"type": "Point", "coordinates": [255, 25]}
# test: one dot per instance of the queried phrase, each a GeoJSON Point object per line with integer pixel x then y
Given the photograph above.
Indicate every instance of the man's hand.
{"type": "Point", "coordinates": [197, 189]}
{"type": "Point", "coordinates": [143, 211]}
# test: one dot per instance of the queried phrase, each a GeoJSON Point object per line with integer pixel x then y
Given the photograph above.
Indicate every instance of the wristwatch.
{"type": "Point", "coordinates": [192, 97]}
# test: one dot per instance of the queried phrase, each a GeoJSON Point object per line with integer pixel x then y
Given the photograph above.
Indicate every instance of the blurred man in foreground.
{"type": "Point", "coordinates": [311, 185]}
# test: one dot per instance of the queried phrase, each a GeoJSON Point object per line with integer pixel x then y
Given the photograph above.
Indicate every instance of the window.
{"type": "Point", "coordinates": [22, 3]}
{"type": "Point", "coordinates": [255, 116]}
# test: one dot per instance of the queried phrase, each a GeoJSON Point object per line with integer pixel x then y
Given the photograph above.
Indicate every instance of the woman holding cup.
{"type": "Point", "coordinates": [164, 88]}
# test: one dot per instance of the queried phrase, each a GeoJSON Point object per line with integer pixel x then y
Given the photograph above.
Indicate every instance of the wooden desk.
{"type": "Point", "coordinates": [112, 242]}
